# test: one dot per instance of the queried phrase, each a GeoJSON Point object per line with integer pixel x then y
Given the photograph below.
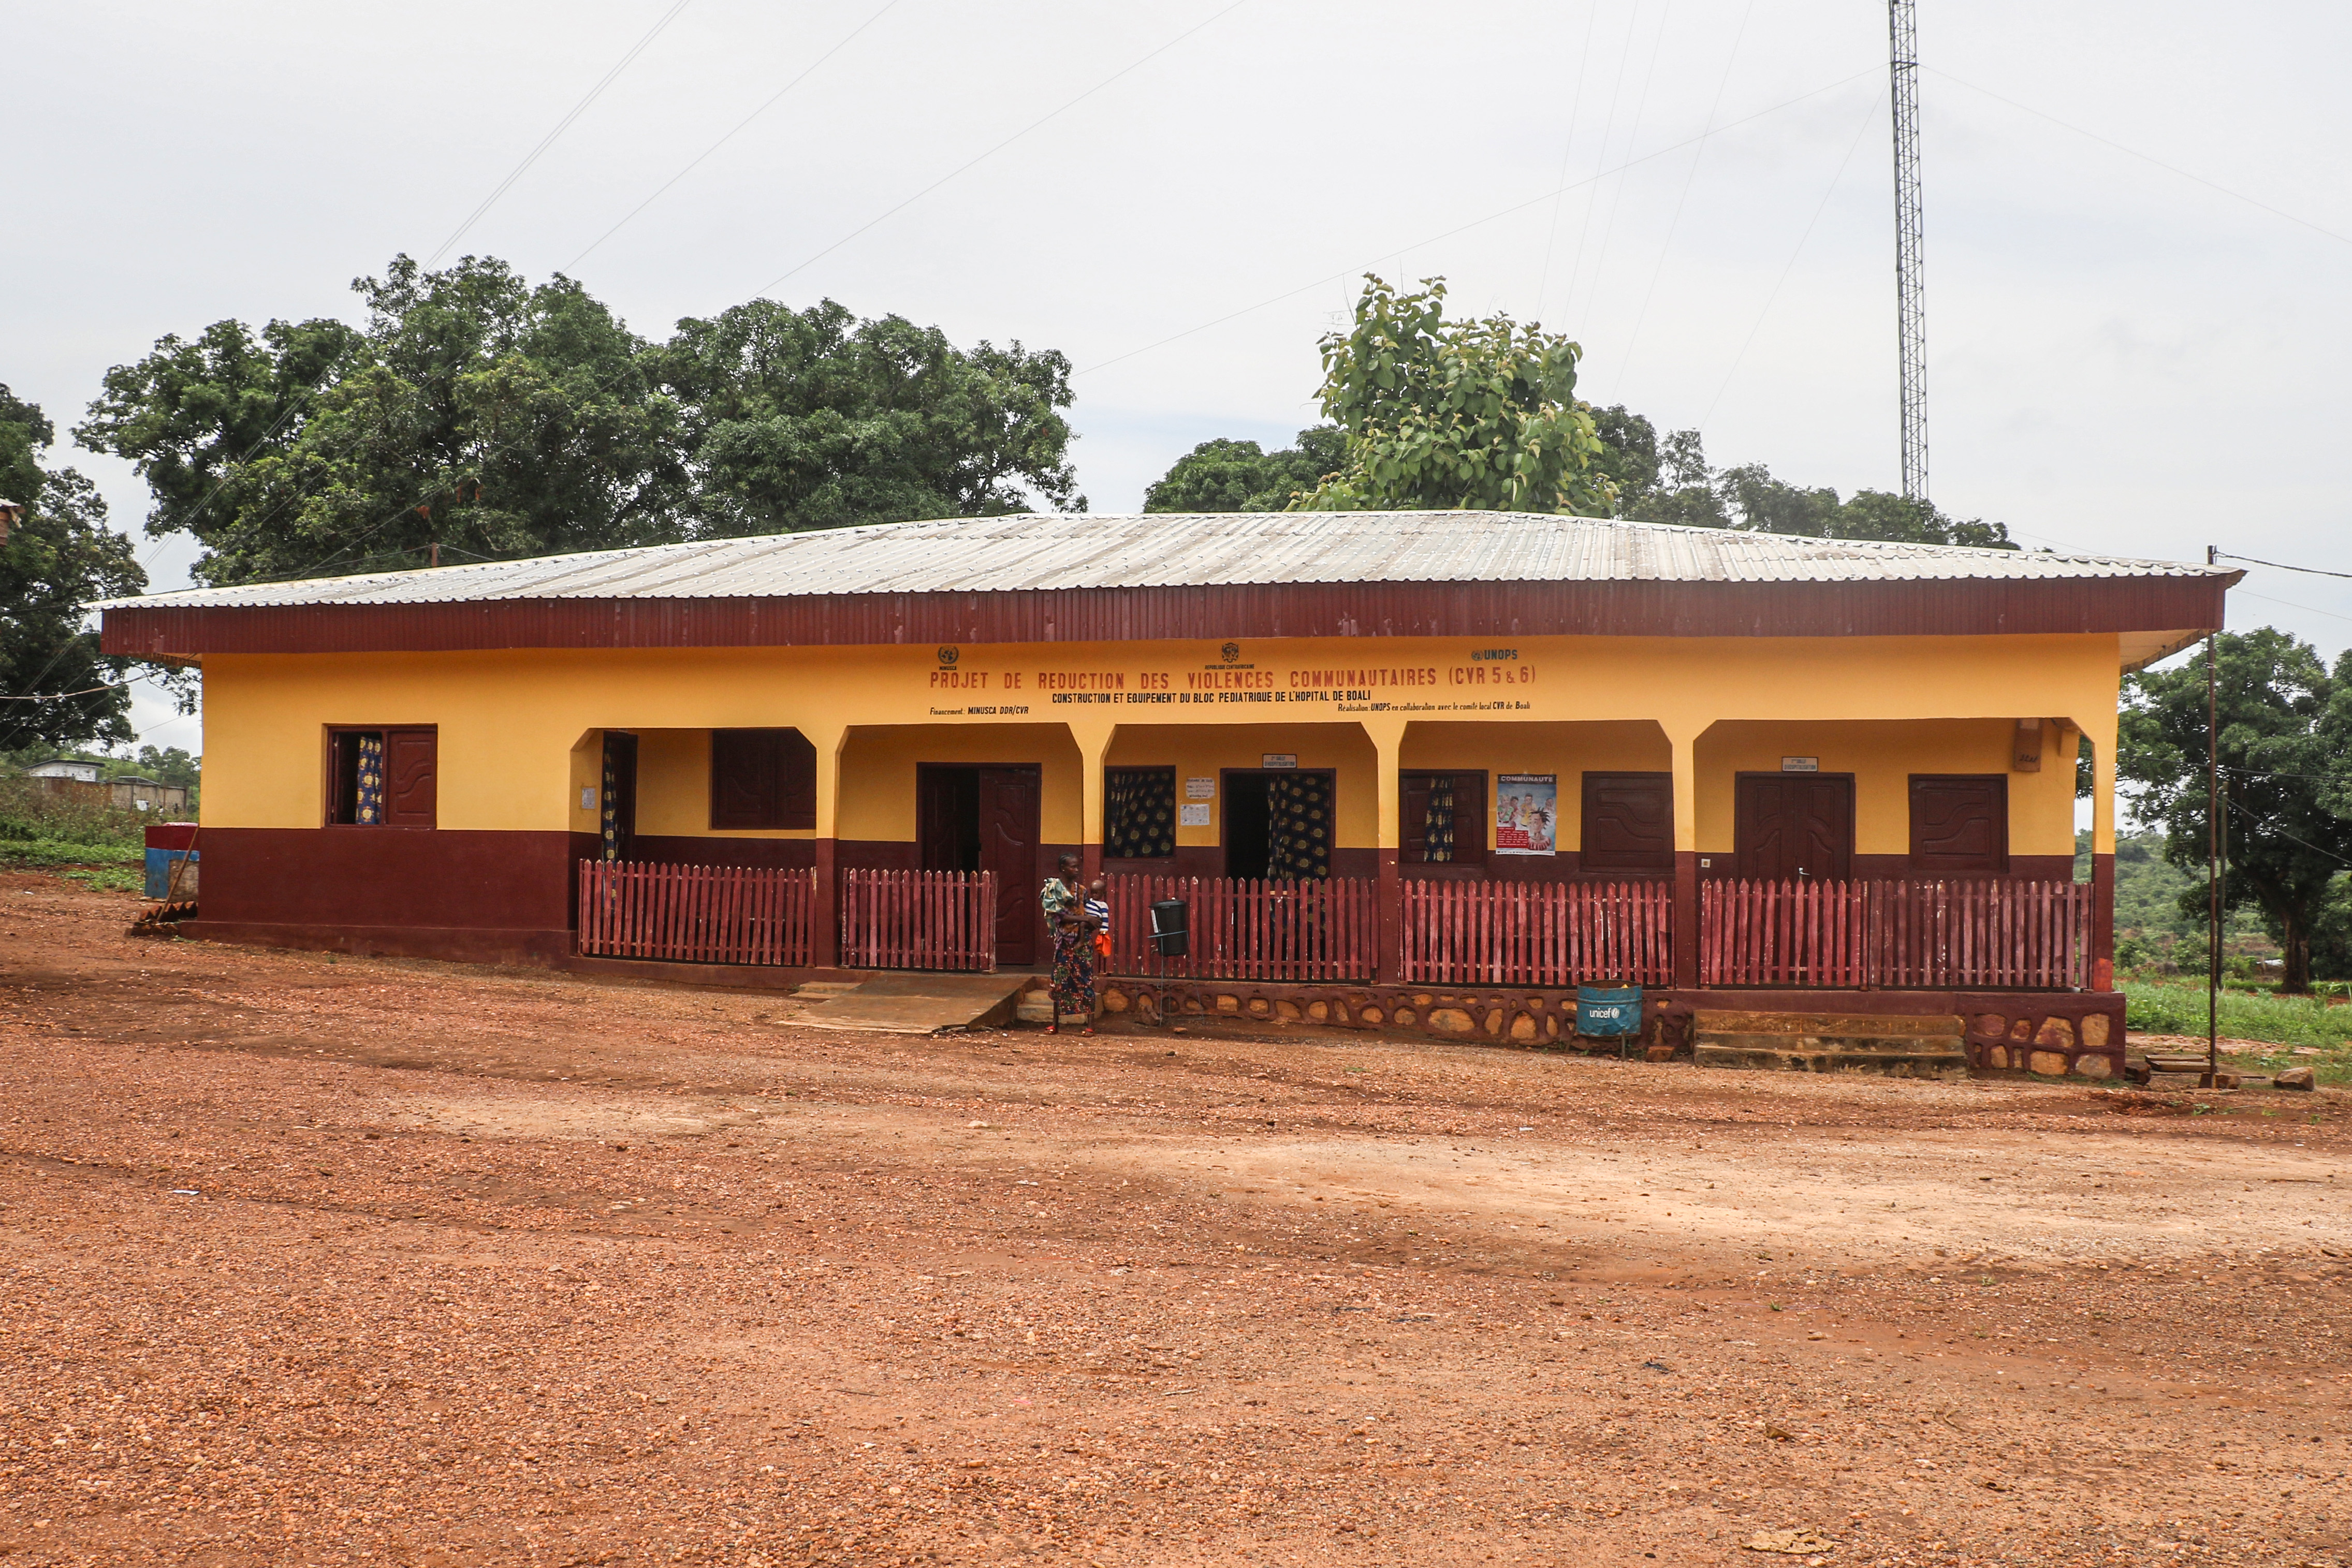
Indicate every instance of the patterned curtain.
{"type": "Point", "coordinates": [1139, 812]}
{"type": "Point", "coordinates": [367, 809]}
{"type": "Point", "coordinates": [612, 814]}
{"type": "Point", "coordinates": [1298, 836]}
{"type": "Point", "coordinates": [1437, 824]}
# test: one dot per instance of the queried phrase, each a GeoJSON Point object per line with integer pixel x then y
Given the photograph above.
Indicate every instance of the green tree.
{"type": "Point", "coordinates": [1454, 414]}
{"type": "Point", "coordinates": [813, 419]}
{"type": "Point", "coordinates": [169, 765]}
{"type": "Point", "coordinates": [1238, 476]}
{"type": "Point", "coordinates": [1667, 479]}
{"type": "Point", "coordinates": [475, 415]}
{"type": "Point", "coordinates": [2279, 773]}
{"type": "Point", "coordinates": [59, 556]}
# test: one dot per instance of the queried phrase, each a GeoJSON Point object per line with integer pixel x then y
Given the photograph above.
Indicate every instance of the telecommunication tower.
{"type": "Point", "coordinates": [1910, 312]}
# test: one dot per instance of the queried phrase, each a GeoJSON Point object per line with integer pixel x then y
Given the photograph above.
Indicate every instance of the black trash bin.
{"type": "Point", "coordinates": [1172, 936]}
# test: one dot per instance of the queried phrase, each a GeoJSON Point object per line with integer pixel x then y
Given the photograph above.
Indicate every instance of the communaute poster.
{"type": "Point", "coordinates": [1527, 813]}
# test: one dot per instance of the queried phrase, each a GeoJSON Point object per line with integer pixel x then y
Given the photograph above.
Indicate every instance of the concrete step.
{"type": "Point", "coordinates": [1933, 1046]}
{"type": "Point", "coordinates": [913, 1003]}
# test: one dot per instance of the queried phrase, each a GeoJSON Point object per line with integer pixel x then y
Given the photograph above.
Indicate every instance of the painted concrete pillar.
{"type": "Point", "coordinates": [1092, 741]}
{"type": "Point", "coordinates": [2102, 743]}
{"type": "Point", "coordinates": [1686, 925]}
{"type": "Point", "coordinates": [1387, 736]}
{"type": "Point", "coordinates": [829, 741]}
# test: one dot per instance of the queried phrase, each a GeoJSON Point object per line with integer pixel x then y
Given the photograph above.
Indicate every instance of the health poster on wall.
{"type": "Point", "coordinates": [1527, 813]}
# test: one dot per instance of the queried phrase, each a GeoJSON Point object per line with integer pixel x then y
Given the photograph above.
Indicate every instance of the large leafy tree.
{"type": "Point", "coordinates": [2280, 740]}
{"type": "Point", "coordinates": [475, 415]}
{"type": "Point", "coordinates": [59, 556]}
{"type": "Point", "coordinates": [1446, 414]}
{"type": "Point", "coordinates": [813, 419]}
{"type": "Point", "coordinates": [1238, 476]}
{"type": "Point", "coordinates": [479, 416]}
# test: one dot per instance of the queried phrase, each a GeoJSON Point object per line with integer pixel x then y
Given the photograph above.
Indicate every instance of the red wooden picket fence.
{"type": "Point", "coordinates": [2001, 934]}
{"type": "Point", "coordinates": [1246, 929]}
{"type": "Point", "coordinates": [1537, 934]}
{"type": "Point", "coordinates": [696, 913]}
{"type": "Point", "coordinates": [919, 920]}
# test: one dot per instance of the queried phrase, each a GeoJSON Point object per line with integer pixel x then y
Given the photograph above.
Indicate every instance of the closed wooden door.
{"type": "Point", "coordinates": [1794, 827]}
{"type": "Point", "coordinates": [1009, 799]}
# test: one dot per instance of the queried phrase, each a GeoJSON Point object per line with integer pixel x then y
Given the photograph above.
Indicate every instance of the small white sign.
{"type": "Point", "coordinates": [1200, 788]}
{"type": "Point", "coordinates": [1189, 816]}
{"type": "Point", "coordinates": [1279, 760]}
{"type": "Point", "coordinates": [587, 796]}
{"type": "Point", "coordinates": [1800, 765]}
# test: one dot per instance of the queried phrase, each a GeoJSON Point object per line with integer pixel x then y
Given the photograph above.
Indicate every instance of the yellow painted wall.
{"type": "Point", "coordinates": [877, 773]}
{"type": "Point", "coordinates": [518, 740]}
{"type": "Point", "coordinates": [1882, 757]}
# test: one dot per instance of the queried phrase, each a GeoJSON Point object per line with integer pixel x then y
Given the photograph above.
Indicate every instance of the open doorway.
{"type": "Point", "coordinates": [1279, 824]}
{"type": "Point", "coordinates": [619, 797]}
{"type": "Point", "coordinates": [971, 819]}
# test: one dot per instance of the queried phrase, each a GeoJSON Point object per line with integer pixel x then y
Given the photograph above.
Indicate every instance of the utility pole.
{"type": "Point", "coordinates": [1910, 311]}
{"type": "Point", "coordinates": [2216, 846]}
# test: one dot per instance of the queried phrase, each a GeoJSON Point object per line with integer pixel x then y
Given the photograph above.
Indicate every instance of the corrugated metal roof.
{"type": "Point", "coordinates": [1178, 549]}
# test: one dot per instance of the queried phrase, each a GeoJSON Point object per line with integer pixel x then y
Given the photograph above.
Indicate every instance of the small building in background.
{"type": "Point", "coordinates": [133, 793]}
{"type": "Point", "coordinates": [65, 767]}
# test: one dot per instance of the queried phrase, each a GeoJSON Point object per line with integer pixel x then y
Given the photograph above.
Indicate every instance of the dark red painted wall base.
{"type": "Point", "coordinates": [424, 878]}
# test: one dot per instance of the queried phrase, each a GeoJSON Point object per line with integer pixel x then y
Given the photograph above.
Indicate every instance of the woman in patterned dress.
{"type": "Point", "coordinates": [1073, 984]}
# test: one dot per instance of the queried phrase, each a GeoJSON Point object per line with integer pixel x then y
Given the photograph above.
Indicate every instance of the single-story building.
{"type": "Point", "coordinates": [1385, 757]}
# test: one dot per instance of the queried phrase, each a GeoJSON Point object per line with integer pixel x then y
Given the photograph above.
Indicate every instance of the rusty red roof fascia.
{"type": "Point", "coordinates": [1139, 614]}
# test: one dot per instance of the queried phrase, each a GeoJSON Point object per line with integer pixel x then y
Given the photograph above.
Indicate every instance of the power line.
{"type": "Point", "coordinates": [1778, 284]}
{"type": "Point", "coordinates": [992, 151]}
{"type": "Point", "coordinates": [561, 126]}
{"type": "Point", "coordinates": [2282, 566]}
{"type": "Point", "coordinates": [697, 162]}
{"type": "Point", "coordinates": [1632, 140]}
{"type": "Point", "coordinates": [1567, 148]}
{"type": "Point", "coordinates": [2291, 604]}
{"type": "Point", "coordinates": [2147, 158]}
{"type": "Point", "coordinates": [1690, 177]}
{"type": "Point", "coordinates": [1496, 216]}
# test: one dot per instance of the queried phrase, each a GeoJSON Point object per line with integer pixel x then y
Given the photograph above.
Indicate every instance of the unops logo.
{"type": "Point", "coordinates": [947, 657]}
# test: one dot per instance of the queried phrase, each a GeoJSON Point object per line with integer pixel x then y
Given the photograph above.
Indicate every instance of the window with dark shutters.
{"type": "Point", "coordinates": [1959, 824]}
{"type": "Point", "coordinates": [383, 778]}
{"type": "Point", "coordinates": [763, 778]}
{"type": "Point", "coordinates": [1628, 822]}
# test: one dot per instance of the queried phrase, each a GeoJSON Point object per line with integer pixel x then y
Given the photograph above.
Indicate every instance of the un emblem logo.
{"type": "Point", "coordinates": [1231, 652]}
{"type": "Point", "coordinates": [947, 657]}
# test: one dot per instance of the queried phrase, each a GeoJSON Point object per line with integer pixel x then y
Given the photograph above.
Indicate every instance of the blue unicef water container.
{"type": "Point", "coordinates": [1608, 1012]}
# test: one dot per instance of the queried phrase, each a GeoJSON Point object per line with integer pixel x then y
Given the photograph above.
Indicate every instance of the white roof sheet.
{"type": "Point", "coordinates": [1175, 550]}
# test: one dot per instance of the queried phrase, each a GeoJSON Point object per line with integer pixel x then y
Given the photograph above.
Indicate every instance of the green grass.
{"type": "Point", "coordinates": [2170, 1007]}
{"type": "Point", "coordinates": [109, 879]}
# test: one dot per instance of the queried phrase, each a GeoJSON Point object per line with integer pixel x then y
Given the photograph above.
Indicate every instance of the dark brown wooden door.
{"type": "Point", "coordinates": [1959, 824]}
{"type": "Point", "coordinates": [411, 774]}
{"type": "Point", "coordinates": [1009, 799]}
{"type": "Point", "coordinates": [1628, 823]}
{"type": "Point", "coordinates": [1794, 827]}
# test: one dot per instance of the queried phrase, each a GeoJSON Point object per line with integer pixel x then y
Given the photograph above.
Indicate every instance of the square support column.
{"type": "Point", "coordinates": [1092, 741]}
{"type": "Point", "coordinates": [825, 945]}
{"type": "Point", "coordinates": [1387, 736]}
{"type": "Point", "coordinates": [1685, 935]}
{"type": "Point", "coordinates": [2103, 857]}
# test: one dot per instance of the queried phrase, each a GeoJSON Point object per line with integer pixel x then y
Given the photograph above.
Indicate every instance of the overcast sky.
{"type": "Point", "coordinates": [2124, 357]}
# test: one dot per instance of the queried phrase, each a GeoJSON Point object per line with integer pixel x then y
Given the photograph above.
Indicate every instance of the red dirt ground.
{"type": "Point", "coordinates": [318, 1261]}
